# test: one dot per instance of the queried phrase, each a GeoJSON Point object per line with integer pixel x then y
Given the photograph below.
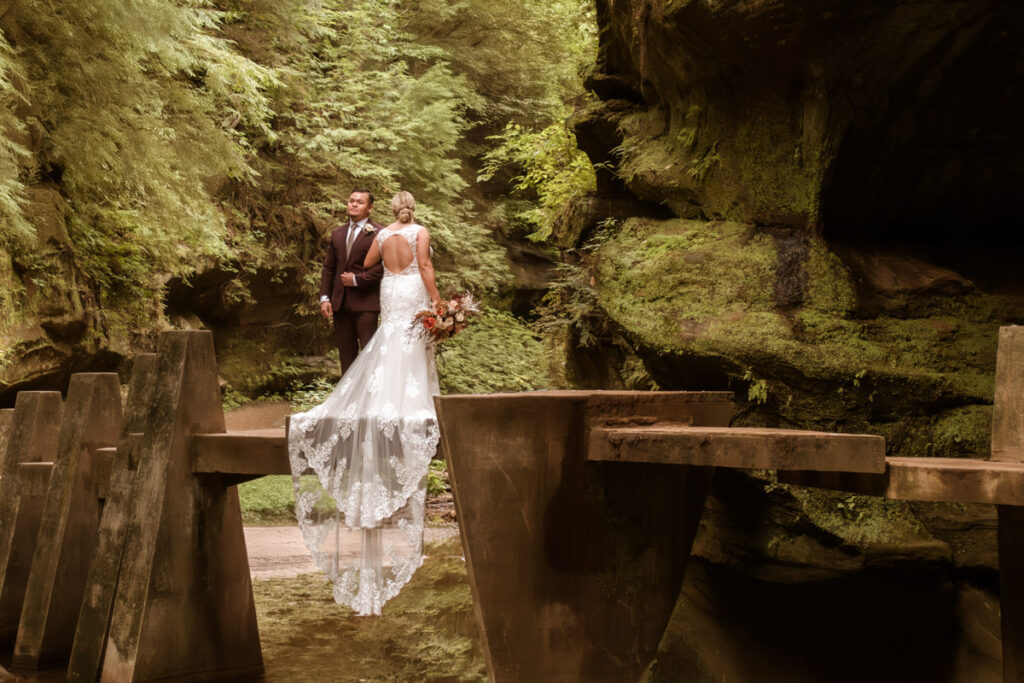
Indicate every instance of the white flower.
{"type": "Point", "coordinates": [369, 229]}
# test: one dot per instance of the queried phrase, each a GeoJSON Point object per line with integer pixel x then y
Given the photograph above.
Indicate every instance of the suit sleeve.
{"type": "Point", "coordinates": [371, 275]}
{"type": "Point", "coordinates": [330, 269]}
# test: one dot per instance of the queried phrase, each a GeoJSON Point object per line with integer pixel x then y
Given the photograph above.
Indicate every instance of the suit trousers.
{"type": "Point", "coordinates": [352, 331]}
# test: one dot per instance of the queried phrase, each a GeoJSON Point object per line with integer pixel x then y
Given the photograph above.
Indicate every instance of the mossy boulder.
{"type": "Point", "coordinates": [714, 302]}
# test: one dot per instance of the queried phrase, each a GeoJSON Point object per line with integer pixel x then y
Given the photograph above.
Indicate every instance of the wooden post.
{"type": "Point", "coordinates": [70, 518]}
{"type": "Point", "coordinates": [575, 566]}
{"type": "Point", "coordinates": [32, 439]}
{"type": "Point", "coordinates": [101, 583]}
{"type": "Point", "coordinates": [6, 418]}
{"type": "Point", "coordinates": [1008, 446]}
{"type": "Point", "coordinates": [182, 597]}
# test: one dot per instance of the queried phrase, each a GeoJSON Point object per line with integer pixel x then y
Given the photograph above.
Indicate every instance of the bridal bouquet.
{"type": "Point", "coordinates": [447, 319]}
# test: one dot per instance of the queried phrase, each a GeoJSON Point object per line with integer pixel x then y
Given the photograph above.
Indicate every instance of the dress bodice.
{"type": "Point", "coordinates": [411, 234]}
{"type": "Point", "coordinates": [402, 295]}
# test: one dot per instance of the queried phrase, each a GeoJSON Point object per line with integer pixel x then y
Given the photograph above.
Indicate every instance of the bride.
{"type": "Point", "coordinates": [359, 459]}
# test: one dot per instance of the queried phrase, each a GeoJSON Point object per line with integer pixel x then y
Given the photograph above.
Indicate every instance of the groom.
{"type": "Point", "coordinates": [349, 293]}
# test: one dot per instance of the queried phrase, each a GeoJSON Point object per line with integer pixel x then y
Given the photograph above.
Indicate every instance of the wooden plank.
{"type": "Point", "coordinates": [34, 478]}
{"type": "Point", "coordinates": [101, 584]}
{"type": "Point", "coordinates": [103, 461]}
{"type": "Point", "coordinates": [32, 438]}
{"type": "Point", "coordinates": [6, 418]}
{"type": "Point", "coordinates": [257, 452]}
{"type": "Point", "coordinates": [1011, 590]}
{"type": "Point", "coordinates": [145, 510]}
{"type": "Point", "coordinates": [1008, 411]}
{"type": "Point", "coordinates": [71, 516]}
{"type": "Point", "coordinates": [744, 448]}
{"type": "Point", "coordinates": [956, 480]}
{"type": "Point", "coordinates": [184, 606]}
{"type": "Point", "coordinates": [575, 566]}
{"type": "Point", "coordinates": [947, 480]}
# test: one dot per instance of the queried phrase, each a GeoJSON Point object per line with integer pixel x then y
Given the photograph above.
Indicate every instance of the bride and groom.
{"type": "Point", "coordinates": [359, 459]}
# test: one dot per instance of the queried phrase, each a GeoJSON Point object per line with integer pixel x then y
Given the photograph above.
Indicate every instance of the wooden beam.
{"type": "Point", "coordinates": [32, 438]}
{"type": "Point", "coordinates": [945, 480]}
{"type": "Point", "coordinates": [183, 606]}
{"type": "Point", "coordinates": [744, 448]}
{"type": "Point", "coordinates": [575, 566]}
{"type": "Point", "coordinates": [6, 419]}
{"type": "Point", "coordinates": [1008, 411]}
{"type": "Point", "coordinates": [258, 452]}
{"type": "Point", "coordinates": [34, 478]}
{"type": "Point", "coordinates": [1008, 447]}
{"type": "Point", "coordinates": [71, 516]}
{"type": "Point", "coordinates": [87, 651]}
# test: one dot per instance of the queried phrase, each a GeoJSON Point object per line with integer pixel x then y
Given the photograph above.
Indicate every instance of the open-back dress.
{"type": "Point", "coordinates": [359, 460]}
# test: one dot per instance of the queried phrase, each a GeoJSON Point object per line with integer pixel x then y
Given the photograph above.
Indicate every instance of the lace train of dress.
{"type": "Point", "coordinates": [359, 460]}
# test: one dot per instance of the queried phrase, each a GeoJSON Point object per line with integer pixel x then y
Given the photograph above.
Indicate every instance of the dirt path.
{"type": "Point", "coordinates": [278, 551]}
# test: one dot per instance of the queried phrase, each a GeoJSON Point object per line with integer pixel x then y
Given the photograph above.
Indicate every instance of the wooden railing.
{"type": "Point", "coordinates": [121, 546]}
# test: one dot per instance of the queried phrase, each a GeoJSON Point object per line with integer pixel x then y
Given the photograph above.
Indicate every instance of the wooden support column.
{"type": "Point", "coordinates": [575, 566]}
{"type": "Point", "coordinates": [101, 582]}
{"type": "Point", "coordinates": [1008, 446]}
{"type": "Point", "coordinates": [6, 418]}
{"type": "Point", "coordinates": [70, 519]}
{"type": "Point", "coordinates": [32, 438]}
{"type": "Point", "coordinates": [182, 600]}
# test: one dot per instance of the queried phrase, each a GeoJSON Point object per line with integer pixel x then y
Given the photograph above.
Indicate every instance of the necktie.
{"type": "Point", "coordinates": [353, 230]}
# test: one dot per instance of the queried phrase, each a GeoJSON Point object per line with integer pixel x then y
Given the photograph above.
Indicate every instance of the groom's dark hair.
{"type": "Point", "coordinates": [364, 191]}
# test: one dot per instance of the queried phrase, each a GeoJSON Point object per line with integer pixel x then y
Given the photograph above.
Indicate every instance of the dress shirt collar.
{"type": "Point", "coordinates": [360, 224]}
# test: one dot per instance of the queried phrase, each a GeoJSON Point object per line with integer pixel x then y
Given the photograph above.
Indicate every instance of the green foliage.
{"type": "Point", "coordinates": [267, 501]}
{"type": "Point", "coordinates": [128, 101]}
{"type": "Point", "coordinates": [497, 353]}
{"type": "Point", "coordinates": [14, 227]}
{"type": "Point", "coordinates": [570, 306]}
{"type": "Point", "coordinates": [437, 478]}
{"type": "Point", "coordinates": [363, 102]}
{"type": "Point", "coordinates": [757, 389]}
{"type": "Point", "coordinates": [552, 168]}
{"type": "Point", "coordinates": [523, 58]}
{"type": "Point", "coordinates": [306, 396]}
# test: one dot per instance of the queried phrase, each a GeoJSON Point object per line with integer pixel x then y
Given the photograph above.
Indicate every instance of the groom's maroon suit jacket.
{"type": "Point", "coordinates": [365, 296]}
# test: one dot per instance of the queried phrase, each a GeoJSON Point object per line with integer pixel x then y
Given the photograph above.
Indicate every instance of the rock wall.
{"type": "Point", "coordinates": [815, 207]}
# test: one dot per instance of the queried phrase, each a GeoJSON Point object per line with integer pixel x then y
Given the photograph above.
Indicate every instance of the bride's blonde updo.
{"type": "Point", "coordinates": [404, 206]}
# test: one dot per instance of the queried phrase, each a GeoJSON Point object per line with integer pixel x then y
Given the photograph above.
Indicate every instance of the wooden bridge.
{"type": "Point", "coordinates": [122, 554]}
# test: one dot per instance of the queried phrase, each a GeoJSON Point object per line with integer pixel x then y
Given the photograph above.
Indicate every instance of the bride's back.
{"type": "Point", "coordinates": [397, 253]}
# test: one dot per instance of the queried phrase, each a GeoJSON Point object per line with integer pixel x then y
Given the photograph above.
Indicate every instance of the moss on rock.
{"type": "Point", "coordinates": [701, 291]}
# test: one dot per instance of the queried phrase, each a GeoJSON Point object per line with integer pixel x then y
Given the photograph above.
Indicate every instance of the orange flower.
{"type": "Point", "coordinates": [429, 323]}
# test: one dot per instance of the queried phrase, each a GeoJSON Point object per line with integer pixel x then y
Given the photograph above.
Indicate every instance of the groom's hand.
{"type": "Point", "coordinates": [326, 309]}
{"type": "Point", "coordinates": [348, 279]}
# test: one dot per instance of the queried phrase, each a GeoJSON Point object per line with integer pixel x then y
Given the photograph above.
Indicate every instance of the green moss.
{"type": "Point", "coordinates": [861, 521]}
{"type": "Point", "coordinates": [668, 281]}
{"type": "Point", "coordinates": [964, 432]}
{"type": "Point", "coordinates": [705, 288]}
{"type": "Point", "coordinates": [830, 288]}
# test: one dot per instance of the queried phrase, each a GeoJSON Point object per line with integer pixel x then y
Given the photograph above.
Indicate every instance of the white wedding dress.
{"type": "Point", "coordinates": [359, 459]}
